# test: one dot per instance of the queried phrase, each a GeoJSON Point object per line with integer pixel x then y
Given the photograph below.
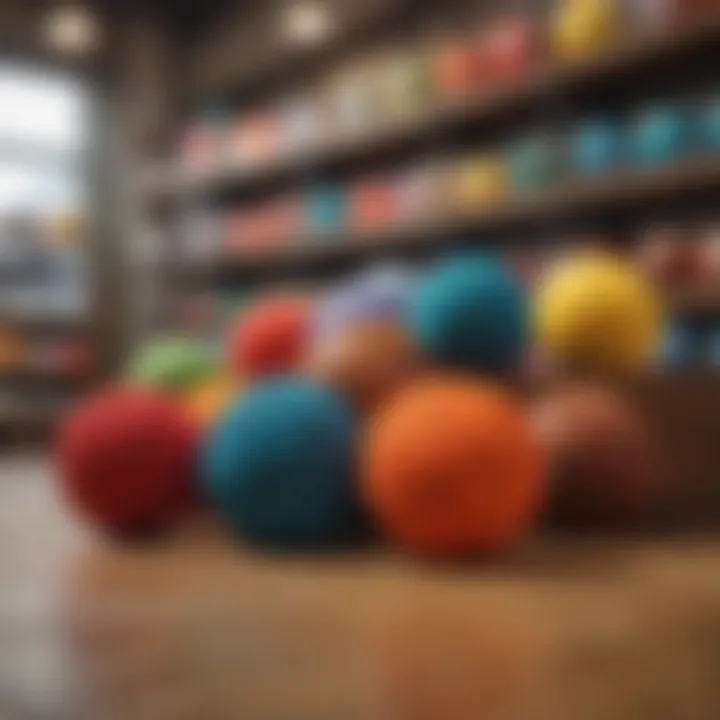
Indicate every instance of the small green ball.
{"type": "Point", "coordinates": [174, 365]}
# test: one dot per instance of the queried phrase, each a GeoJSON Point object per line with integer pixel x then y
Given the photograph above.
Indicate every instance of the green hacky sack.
{"type": "Point", "coordinates": [173, 364]}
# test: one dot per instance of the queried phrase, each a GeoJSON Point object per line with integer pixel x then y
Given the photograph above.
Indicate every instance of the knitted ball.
{"type": "Point", "coordinates": [325, 209]}
{"type": "Point", "coordinates": [368, 362]}
{"type": "Point", "coordinates": [470, 312]}
{"type": "Point", "coordinates": [662, 133]}
{"type": "Point", "coordinates": [207, 402]}
{"type": "Point", "coordinates": [597, 146]}
{"type": "Point", "coordinates": [534, 162]}
{"type": "Point", "coordinates": [710, 123]}
{"type": "Point", "coordinates": [380, 293]}
{"type": "Point", "coordinates": [174, 365]}
{"type": "Point", "coordinates": [604, 471]}
{"type": "Point", "coordinates": [270, 336]}
{"type": "Point", "coordinates": [595, 311]}
{"type": "Point", "coordinates": [580, 29]}
{"type": "Point", "coordinates": [278, 466]}
{"type": "Point", "coordinates": [126, 460]}
{"type": "Point", "coordinates": [450, 466]}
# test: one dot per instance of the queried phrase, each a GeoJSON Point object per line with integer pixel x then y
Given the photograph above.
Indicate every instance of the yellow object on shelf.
{"type": "Point", "coordinates": [583, 27]}
{"type": "Point", "coordinates": [595, 311]}
{"type": "Point", "coordinates": [479, 183]}
{"type": "Point", "coordinates": [406, 86]}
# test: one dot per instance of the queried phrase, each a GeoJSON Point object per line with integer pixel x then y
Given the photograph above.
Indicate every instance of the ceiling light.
{"type": "Point", "coordinates": [308, 23]}
{"type": "Point", "coordinates": [71, 29]}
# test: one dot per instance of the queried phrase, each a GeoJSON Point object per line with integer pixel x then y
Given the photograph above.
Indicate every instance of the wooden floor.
{"type": "Point", "coordinates": [196, 629]}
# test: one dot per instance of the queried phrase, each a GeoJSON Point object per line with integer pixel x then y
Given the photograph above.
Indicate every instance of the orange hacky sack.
{"type": "Point", "coordinates": [450, 466]}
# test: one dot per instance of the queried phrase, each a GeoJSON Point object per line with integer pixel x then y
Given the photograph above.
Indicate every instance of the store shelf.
{"type": "Point", "coordinates": [33, 420]}
{"type": "Point", "coordinates": [631, 55]}
{"type": "Point", "coordinates": [28, 430]}
{"type": "Point", "coordinates": [294, 63]}
{"type": "Point", "coordinates": [702, 300]}
{"type": "Point", "coordinates": [527, 211]}
{"type": "Point", "coordinates": [42, 323]}
{"type": "Point", "coordinates": [42, 376]}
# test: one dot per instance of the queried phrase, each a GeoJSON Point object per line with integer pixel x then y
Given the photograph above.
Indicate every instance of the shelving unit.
{"type": "Point", "coordinates": [45, 323]}
{"type": "Point", "coordinates": [47, 393]}
{"type": "Point", "coordinates": [48, 348]}
{"type": "Point", "coordinates": [581, 198]}
{"type": "Point", "coordinates": [628, 56]}
{"type": "Point", "coordinates": [618, 200]}
{"type": "Point", "coordinates": [43, 376]}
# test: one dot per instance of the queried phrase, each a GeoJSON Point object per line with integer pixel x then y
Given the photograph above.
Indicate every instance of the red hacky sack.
{"type": "Point", "coordinates": [126, 460]}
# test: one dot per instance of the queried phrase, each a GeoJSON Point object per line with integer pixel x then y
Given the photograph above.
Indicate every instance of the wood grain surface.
{"type": "Point", "coordinates": [195, 628]}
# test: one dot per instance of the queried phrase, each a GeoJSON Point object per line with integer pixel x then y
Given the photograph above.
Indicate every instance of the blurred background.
{"type": "Point", "coordinates": [162, 162]}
